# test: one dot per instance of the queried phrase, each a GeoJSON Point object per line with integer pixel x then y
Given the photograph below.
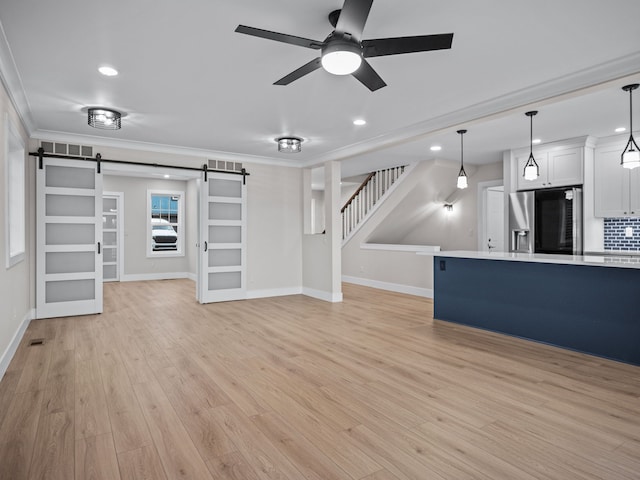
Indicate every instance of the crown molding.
{"type": "Point", "coordinates": [560, 88]}
{"type": "Point", "coordinates": [13, 84]}
{"type": "Point", "coordinates": [96, 141]}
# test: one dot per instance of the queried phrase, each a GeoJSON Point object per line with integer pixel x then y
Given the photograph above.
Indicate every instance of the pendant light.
{"type": "Point", "coordinates": [531, 169]}
{"type": "Point", "coordinates": [462, 175]}
{"type": "Point", "coordinates": [630, 157]}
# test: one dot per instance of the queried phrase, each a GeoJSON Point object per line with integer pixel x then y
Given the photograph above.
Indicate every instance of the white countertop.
{"type": "Point", "coordinates": [588, 260]}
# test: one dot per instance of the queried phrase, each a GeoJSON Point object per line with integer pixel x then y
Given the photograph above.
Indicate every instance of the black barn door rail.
{"type": "Point", "coordinates": [99, 160]}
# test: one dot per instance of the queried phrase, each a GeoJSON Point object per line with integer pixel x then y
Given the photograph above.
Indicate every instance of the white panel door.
{"type": "Point", "coordinates": [223, 233]}
{"type": "Point", "coordinates": [69, 235]}
{"type": "Point", "coordinates": [111, 236]}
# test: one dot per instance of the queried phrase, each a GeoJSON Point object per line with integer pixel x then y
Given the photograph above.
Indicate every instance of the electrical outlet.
{"type": "Point", "coordinates": [628, 232]}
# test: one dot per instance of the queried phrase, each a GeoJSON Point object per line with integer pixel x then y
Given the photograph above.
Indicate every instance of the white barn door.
{"type": "Point", "coordinates": [223, 233]}
{"type": "Point", "coordinates": [69, 239]}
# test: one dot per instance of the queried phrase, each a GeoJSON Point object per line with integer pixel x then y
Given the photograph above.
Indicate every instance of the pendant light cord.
{"type": "Point", "coordinates": [461, 151]}
{"type": "Point", "coordinates": [630, 112]}
{"type": "Point", "coordinates": [531, 135]}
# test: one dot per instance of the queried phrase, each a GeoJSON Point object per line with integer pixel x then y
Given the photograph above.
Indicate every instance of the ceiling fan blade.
{"type": "Point", "coordinates": [368, 76]}
{"type": "Point", "coordinates": [394, 46]}
{"type": "Point", "coordinates": [353, 16]}
{"type": "Point", "coordinates": [300, 72]}
{"type": "Point", "coordinates": [280, 37]}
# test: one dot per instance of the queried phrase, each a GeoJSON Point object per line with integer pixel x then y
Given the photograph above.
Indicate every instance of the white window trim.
{"type": "Point", "coordinates": [14, 144]}
{"type": "Point", "coordinates": [181, 224]}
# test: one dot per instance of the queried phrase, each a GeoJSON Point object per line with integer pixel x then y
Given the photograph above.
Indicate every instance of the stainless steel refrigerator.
{"type": "Point", "coordinates": [546, 221]}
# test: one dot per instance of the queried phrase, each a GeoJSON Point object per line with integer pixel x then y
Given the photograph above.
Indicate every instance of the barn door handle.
{"type": "Point", "coordinates": [206, 246]}
{"type": "Point", "coordinates": [98, 248]}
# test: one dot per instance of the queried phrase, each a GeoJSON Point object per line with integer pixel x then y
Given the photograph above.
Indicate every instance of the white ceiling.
{"type": "Point", "coordinates": [187, 80]}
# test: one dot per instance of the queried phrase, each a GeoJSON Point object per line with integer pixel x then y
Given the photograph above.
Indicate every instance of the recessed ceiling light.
{"type": "Point", "coordinates": [436, 148]}
{"type": "Point", "coordinates": [108, 71]}
{"type": "Point", "coordinates": [536, 141]}
{"type": "Point", "coordinates": [621, 129]}
{"type": "Point", "coordinates": [359, 121]}
{"type": "Point", "coordinates": [166, 175]}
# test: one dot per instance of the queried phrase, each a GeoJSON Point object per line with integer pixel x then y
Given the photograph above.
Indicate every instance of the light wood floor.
{"type": "Point", "coordinates": [159, 387]}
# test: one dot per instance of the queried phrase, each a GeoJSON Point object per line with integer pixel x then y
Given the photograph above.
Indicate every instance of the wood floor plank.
{"type": "Point", "coordinates": [129, 428]}
{"type": "Point", "coordinates": [266, 460]}
{"type": "Point", "coordinates": [53, 456]}
{"type": "Point", "coordinates": [7, 391]}
{"type": "Point", "coordinates": [91, 413]}
{"type": "Point", "coordinates": [177, 452]}
{"type": "Point", "coordinates": [141, 464]}
{"type": "Point", "coordinates": [96, 459]}
{"type": "Point", "coordinates": [232, 466]}
{"type": "Point", "coordinates": [18, 434]}
{"type": "Point", "coordinates": [36, 368]}
{"type": "Point", "coordinates": [307, 458]}
{"type": "Point", "coordinates": [59, 393]}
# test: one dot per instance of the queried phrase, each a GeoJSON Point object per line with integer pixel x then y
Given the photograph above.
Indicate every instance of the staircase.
{"type": "Point", "coordinates": [366, 196]}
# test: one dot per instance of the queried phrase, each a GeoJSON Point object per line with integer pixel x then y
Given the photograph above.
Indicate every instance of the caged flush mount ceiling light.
{"type": "Point", "coordinates": [104, 118]}
{"type": "Point", "coordinates": [630, 157]}
{"type": "Point", "coordinates": [289, 144]}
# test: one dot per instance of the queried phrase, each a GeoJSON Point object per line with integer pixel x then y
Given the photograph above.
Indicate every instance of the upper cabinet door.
{"type": "Point", "coordinates": [565, 167]}
{"type": "Point", "coordinates": [634, 191]}
{"type": "Point", "coordinates": [611, 184]}
{"type": "Point", "coordinates": [558, 168]}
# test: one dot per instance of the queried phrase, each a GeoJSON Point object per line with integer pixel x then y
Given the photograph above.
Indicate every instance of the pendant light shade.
{"type": "Point", "coordinates": [531, 169]}
{"type": "Point", "coordinates": [630, 157]}
{"type": "Point", "coordinates": [462, 175]}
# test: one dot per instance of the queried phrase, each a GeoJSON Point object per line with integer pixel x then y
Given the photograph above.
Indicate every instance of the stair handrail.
{"type": "Point", "coordinates": [360, 188]}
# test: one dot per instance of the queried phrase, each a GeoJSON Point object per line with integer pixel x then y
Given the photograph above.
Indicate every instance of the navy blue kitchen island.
{"type": "Point", "coordinates": [589, 304]}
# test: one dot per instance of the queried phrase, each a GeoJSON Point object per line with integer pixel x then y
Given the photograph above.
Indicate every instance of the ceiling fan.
{"type": "Point", "coordinates": [344, 52]}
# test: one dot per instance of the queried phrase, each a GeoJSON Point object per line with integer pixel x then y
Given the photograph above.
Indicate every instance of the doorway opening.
{"type": "Point", "coordinates": [491, 216]}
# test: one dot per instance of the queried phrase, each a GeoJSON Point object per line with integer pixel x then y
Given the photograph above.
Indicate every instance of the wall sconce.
{"type": "Point", "coordinates": [448, 207]}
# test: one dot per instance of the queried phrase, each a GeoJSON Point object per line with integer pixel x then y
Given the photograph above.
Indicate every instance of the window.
{"type": "Point", "coordinates": [15, 194]}
{"type": "Point", "coordinates": [165, 227]}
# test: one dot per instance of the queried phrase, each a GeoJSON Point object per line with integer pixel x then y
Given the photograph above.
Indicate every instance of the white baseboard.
{"type": "Point", "coordinates": [10, 351]}
{"type": "Point", "coordinates": [322, 295]}
{"type": "Point", "coordinates": [141, 277]}
{"type": "Point", "coordinates": [274, 292]}
{"type": "Point", "coordinates": [392, 287]}
{"type": "Point", "coordinates": [192, 276]}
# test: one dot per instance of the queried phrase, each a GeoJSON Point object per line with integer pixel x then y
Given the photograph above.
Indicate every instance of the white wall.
{"type": "Point", "coordinates": [321, 254]}
{"type": "Point", "coordinates": [458, 229]}
{"type": "Point", "coordinates": [136, 263]}
{"type": "Point", "coordinates": [415, 215]}
{"type": "Point", "coordinates": [17, 285]}
{"type": "Point", "coordinates": [274, 235]}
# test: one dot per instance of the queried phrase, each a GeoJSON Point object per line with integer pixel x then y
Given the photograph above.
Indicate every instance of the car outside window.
{"type": "Point", "coordinates": [165, 215]}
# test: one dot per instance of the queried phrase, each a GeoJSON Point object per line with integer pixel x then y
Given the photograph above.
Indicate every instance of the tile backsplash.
{"type": "Point", "coordinates": [615, 234]}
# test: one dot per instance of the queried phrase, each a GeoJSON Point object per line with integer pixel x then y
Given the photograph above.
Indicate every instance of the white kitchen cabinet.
{"type": "Point", "coordinates": [617, 189]}
{"type": "Point", "coordinates": [558, 168]}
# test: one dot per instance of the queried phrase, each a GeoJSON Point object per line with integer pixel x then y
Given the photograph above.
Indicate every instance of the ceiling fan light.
{"type": "Point", "coordinates": [341, 62]}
